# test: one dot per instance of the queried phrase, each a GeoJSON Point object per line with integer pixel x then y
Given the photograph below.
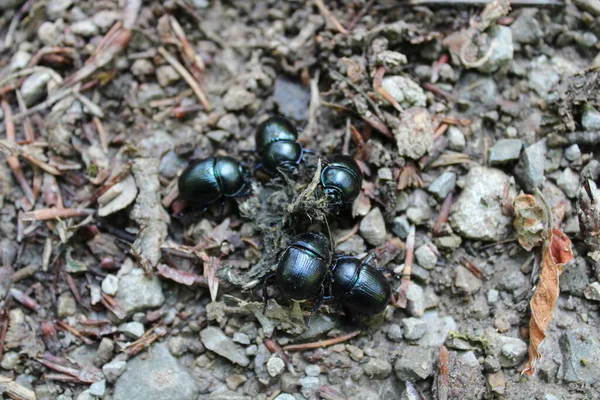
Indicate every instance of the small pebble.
{"type": "Point", "coordinates": [395, 333]}
{"type": "Point", "coordinates": [426, 257]}
{"type": "Point", "coordinates": [573, 153]}
{"type": "Point", "coordinates": [372, 227]}
{"type": "Point", "coordinates": [133, 330]}
{"type": "Point", "coordinates": [10, 360]}
{"type": "Point", "coordinates": [241, 338]}
{"type": "Point", "coordinates": [98, 388]}
{"type": "Point", "coordinates": [456, 139]}
{"type": "Point", "coordinates": [312, 370]}
{"type": "Point", "coordinates": [166, 75]}
{"type": "Point", "coordinates": [85, 28]}
{"type": "Point", "coordinates": [275, 366]}
{"type": "Point", "coordinates": [110, 285]}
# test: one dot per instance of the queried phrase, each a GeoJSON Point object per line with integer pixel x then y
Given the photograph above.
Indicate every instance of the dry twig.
{"type": "Point", "coordinates": [321, 343]}
{"type": "Point", "coordinates": [327, 14]}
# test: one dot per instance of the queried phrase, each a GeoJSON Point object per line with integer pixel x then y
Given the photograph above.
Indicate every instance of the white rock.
{"type": "Point", "coordinates": [110, 285]}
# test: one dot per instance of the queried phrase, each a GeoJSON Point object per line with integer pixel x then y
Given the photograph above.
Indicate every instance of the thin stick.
{"type": "Point", "coordinates": [352, 232]}
{"type": "Point", "coordinates": [186, 76]}
{"type": "Point", "coordinates": [444, 213]}
{"type": "Point", "coordinates": [13, 161]}
{"type": "Point", "coordinates": [101, 134]}
{"type": "Point", "coordinates": [347, 136]}
{"type": "Point", "coordinates": [402, 290]}
{"type": "Point", "coordinates": [444, 372]}
{"type": "Point", "coordinates": [440, 131]}
{"type": "Point", "coordinates": [66, 327]}
{"type": "Point", "coordinates": [358, 16]}
{"type": "Point", "coordinates": [28, 126]}
{"type": "Point", "coordinates": [321, 343]}
{"type": "Point", "coordinates": [15, 150]}
{"type": "Point", "coordinates": [327, 14]}
{"type": "Point", "coordinates": [377, 85]}
{"type": "Point", "coordinates": [52, 213]}
{"type": "Point", "coordinates": [454, 3]}
{"type": "Point", "coordinates": [15, 391]}
{"type": "Point", "coordinates": [45, 104]}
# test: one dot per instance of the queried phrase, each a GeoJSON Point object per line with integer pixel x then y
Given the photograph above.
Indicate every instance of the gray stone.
{"type": "Point", "coordinates": [104, 352]}
{"type": "Point", "coordinates": [138, 292]}
{"type": "Point", "coordinates": [309, 385]}
{"type": "Point", "coordinates": [574, 279]}
{"type": "Point", "coordinates": [573, 153]}
{"type": "Point", "coordinates": [85, 395]}
{"type": "Point", "coordinates": [215, 340]}
{"type": "Point", "coordinates": [237, 98]}
{"type": "Point", "coordinates": [57, 8]}
{"type": "Point", "coordinates": [526, 29]}
{"type": "Point", "coordinates": [285, 396]}
{"type": "Point", "coordinates": [580, 348]}
{"type": "Point", "coordinates": [241, 338]}
{"type": "Point", "coordinates": [10, 360]}
{"type": "Point", "coordinates": [156, 375]}
{"type": "Point", "coordinates": [98, 388]}
{"type": "Point", "coordinates": [514, 351]}
{"type": "Point", "coordinates": [292, 98]}
{"type": "Point", "coordinates": [34, 87]}
{"type": "Point", "coordinates": [312, 370]}
{"type": "Point", "coordinates": [110, 285]}
{"type": "Point", "coordinates": [400, 227]}
{"type": "Point", "coordinates": [505, 151]}
{"type": "Point", "coordinates": [590, 119]}
{"type": "Point", "coordinates": [512, 280]}
{"type": "Point", "coordinates": [450, 242]}
{"type": "Point", "coordinates": [319, 326]}
{"type": "Point", "coordinates": [66, 305]}
{"type": "Point", "coordinates": [19, 60]}
{"type": "Point", "coordinates": [377, 368]}
{"type": "Point", "coordinates": [395, 333]}
{"type": "Point", "coordinates": [477, 213]}
{"type": "Point", "coordinates": [48, 33]}
{"type": "Point", "coordinates": [405, 91]}
{"type": "Point", "coordinates": [171, 164]}
{"type": "Point", "coordinates": [502, 54]}
{"type": "Point", "coordinates": [391, 60]}
{"type": "Point", "coordinates": [497, 382]}
{"type": "Point", "coordinates": [419, 273]}
{"type": "Point", "coordinates": [415, 296]}
{"type": "Point", "coordinates": [149, 92]}
{"type": "Point", "coordinates": [568, 181]}
{"type": "Point", "coordinates": [113, 370]}
{"type": "Point", "coordinates": [529, 172]}
{"type": "Point", "coordinates": [275, 366]}
{"type": "Point", "coordinates": [413, 328]}
{"type": "Point", "coordinates": [438, 329]}
{"type": "Point", "coordinates": [592, 291]}
{"type": "Point", "coordinates": [420, 214]}
{"type": "Point", "coordinates": [372, 227]}
{"type": "Point", "coordinates": [414, 133]}
{"type": "Point", "coordinates": [106, 18]}
{"type": "Point", "coordinates": [443, 185]}
{"type": "Point", "coordinates": [133, 330]}
{"type": "Point", "coordinates": [414, 363]}
{"type": "Point", "coordinates": [166, 75]}
{"type": "Point", "coordinates": [219, 135]}
{"type": "Point", "coordinates": [469, 359]}
{"type": "Point", "coordinates": [456, 139]}
{"type": "Point", "coordinates": [85, 28]}
{"type": "Point", "coordinates": [492, 296]}
{"type": "Point", "coordinates": [426, 257]}
{"type": "Point", "coordinates": [142, 67]}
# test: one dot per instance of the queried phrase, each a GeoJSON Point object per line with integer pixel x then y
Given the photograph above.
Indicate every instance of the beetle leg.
{"type": "Point", "coordinates": [320, 299]}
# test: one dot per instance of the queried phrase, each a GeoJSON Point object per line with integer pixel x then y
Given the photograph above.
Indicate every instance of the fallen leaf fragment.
{"type": "Point", "coordinates": [557, 253]}
{"type": "Point", "coordinates": [117, 197]}
{"type": "Point", "coordinates": [529, 221]}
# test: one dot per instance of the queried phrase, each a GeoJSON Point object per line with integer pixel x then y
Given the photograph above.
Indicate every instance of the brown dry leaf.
{"type": "Point", "coordinates": [183, 277]}
{"type": "Point", "coordinates": [557, 253]}
{"type": "Point", "coordinates": [529, 221]}
{"type": "Point", "coordinates": [211, 265]}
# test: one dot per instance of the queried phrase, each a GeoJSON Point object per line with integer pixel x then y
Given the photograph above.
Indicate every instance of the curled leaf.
{"type": "Point", "coordinates": [557, 253]}
{"type": "Point", "coordinates": [529, 221]}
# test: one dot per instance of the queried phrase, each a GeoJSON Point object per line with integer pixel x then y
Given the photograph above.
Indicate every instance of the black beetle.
{"type": "Point", "coordinates": [303, 267]}
{"type": "Point", "coordinates": [277, 146]}
{"type": "Point", "coordinates": [358, 286]}
{"type": "Point", "coordinates": [206, 181]}
{"type": "Point", "coordinates": [341, 179]}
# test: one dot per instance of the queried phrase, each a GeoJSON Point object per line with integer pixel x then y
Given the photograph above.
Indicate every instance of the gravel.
{"type": "Point", "coordinates": [426, 257]}
{"type": "Point", "coordinates": [215, 340]}
{"type": "Point", "coordinates": [477, 213]}
{"type": "Point", "coordinates": [456, 139]}
{"type": "Point", "coordinates": [405, 91]}
{"type": "Point", "coordinates": [155, 375]}
{"type": "Point", "coordinates": [502, 54]}
{"type": "Point", "coordinates": [443, 185]}
{"type": "Point", "coordinates": [415, 300]}
{"type": "Point", "coordinates": [377, 368]}
{"type": "Point", "coordinates": [465, 281]}
{"type": "Point", "coordinates": [372, 227]}
{"type": "Point", "coordinates": [98, 388]}
{"type": "Point", "coordinates": [275, 366]}
{"type": "Point", "coordinates": [19, 60]}
{"type": "Point", "coordinates": [34, 87]}
{"type": "Point", "coordinates": [133, 330]}
{"type": "Point", "coordinates": [114, 369]}
{"type": "Point", "coordinates": [85, 28]}
{"type": "Point", "coordinates": [505, 151]}
{"type": "Point", "coordinates": [592, 291]}
{"type": "Point", "coordinates": [529, 172]}
{"type": "Point", "coordinates": [526, 29]}
{"type": "Point", "coordinates": [395, 333]}
{"type": "Point", "coordinates": [413, 328]}
{"type": "Point", "coordinates": [590, 118]}
{"type": "Point", "coordinates": [110, 285]}
{"type": "Point", "coordinates": [138, 292]}
{"type": "Point", "coordinates": [291, 98]}
{"type": "Point", "coordinates": [568, 181]}
{"type": "Point", "coordinates": [414, 363]}
{"type": "Point", "coordinates": [237, 98]}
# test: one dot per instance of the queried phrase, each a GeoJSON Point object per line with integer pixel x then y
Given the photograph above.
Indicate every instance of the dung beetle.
{"type": "Point", "coordinates": [277, 146]}
{"type": "Point", "coordinates": [303, 266]}
{"type": "Point", "coordinates": [358, 286]}
{"type": "Point", "coordinates": [206, 181]}
{"type": "Point", "coordinates": [341, 180]}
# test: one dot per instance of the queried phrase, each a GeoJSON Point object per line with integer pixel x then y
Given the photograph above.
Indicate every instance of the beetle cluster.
{"type": "Point", "coordinates": [206, 181]}
{"type": "Point", "coordinates": [307, 269]}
